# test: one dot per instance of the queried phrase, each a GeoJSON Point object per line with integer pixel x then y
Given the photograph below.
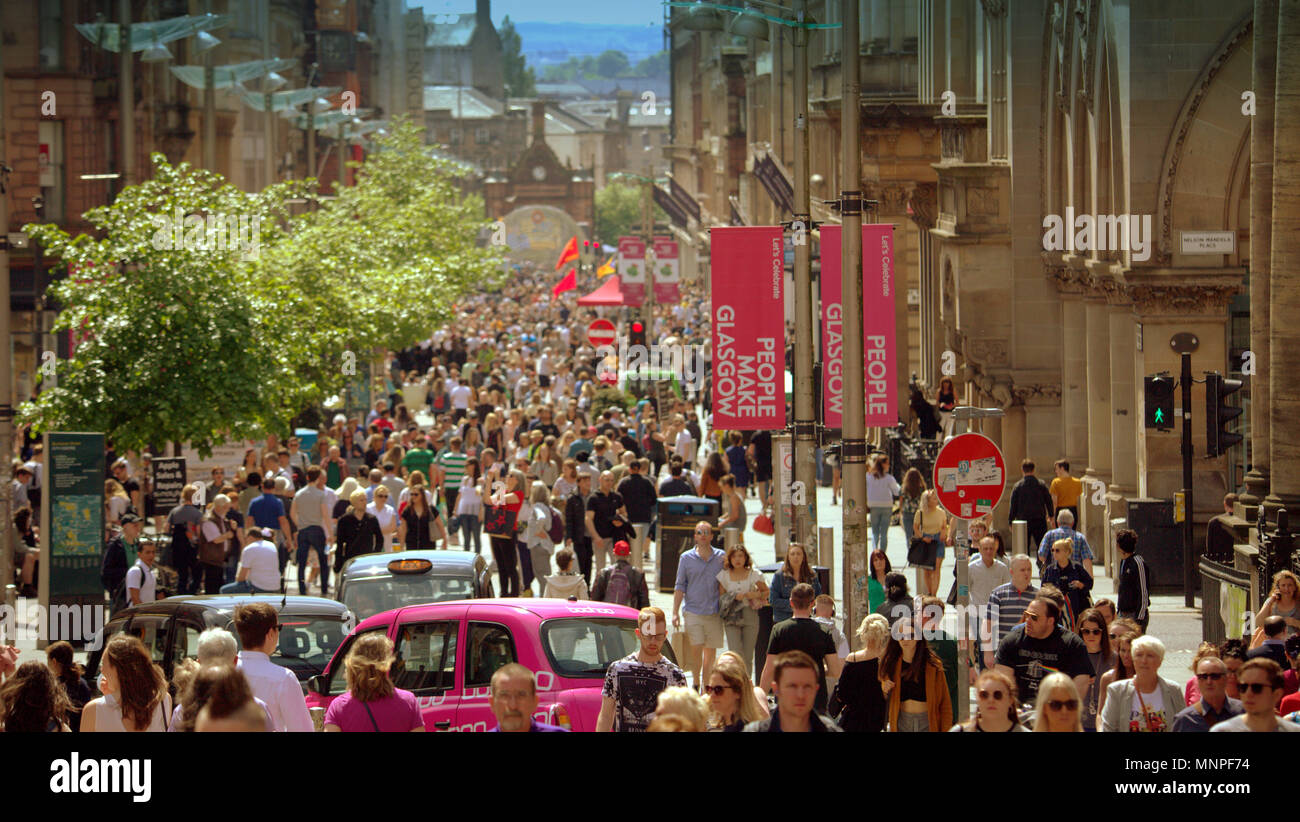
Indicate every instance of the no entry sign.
{"type": "Point", "coordinates": [969, 475]}
{"type": "Point", "coordinates": [600, 332]}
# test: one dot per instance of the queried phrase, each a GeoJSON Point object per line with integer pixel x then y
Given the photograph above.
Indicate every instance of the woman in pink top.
{"type": "Point", "coordinates": [372, 703]}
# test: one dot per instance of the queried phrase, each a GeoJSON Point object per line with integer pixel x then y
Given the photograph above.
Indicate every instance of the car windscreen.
{"type": "Point", "coordinates": [585, 646]}
{"type": "Point", "coordinates": [367, 596]}
{"type": "Point", "coordinates": [308, 643]}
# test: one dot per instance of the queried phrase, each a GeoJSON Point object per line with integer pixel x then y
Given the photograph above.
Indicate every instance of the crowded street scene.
{"type": "Point", "coordinates": [387, 366]}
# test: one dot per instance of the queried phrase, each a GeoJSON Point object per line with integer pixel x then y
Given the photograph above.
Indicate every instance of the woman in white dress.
{"type": "Point", "coordinates": [386, 514]}
{"type": "Point", "coordinates": [135, 691]}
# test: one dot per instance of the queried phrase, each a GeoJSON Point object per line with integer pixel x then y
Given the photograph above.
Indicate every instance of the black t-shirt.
{"type": "Point", "coordinates": [801, 634]}
{"type": "Point", "coordinates": [606, 508]}
{"type": "Point", "coordinates": [762, 442]}
{"type": "Point", "coordinates": [676, 487]}
{"type": "Point", "coordinates": [1032, 659]}
{"type": "Point", "coordinates": [548, 429]}
{"type": "Point", "coordinates": [130, 486]}
{"type": "Point", "coordinates": [639, 495]}
{"type": "Point", "coordinates": [630, 443]}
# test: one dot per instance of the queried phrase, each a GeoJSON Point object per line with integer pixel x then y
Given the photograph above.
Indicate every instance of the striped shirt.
{"type": "Point", "coordinates": [1077, 541]}
{"type": "Point", "coordinates": [1007, 610]}
{"type": "Point", "coordinates": [454, 466]}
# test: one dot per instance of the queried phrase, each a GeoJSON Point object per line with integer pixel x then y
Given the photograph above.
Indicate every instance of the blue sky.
{"type": "Point", "coordinates": [625, 12]}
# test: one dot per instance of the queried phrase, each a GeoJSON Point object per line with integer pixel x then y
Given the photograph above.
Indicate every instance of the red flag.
{"type": "Point", "coordinates": [569, 283]}
{"type": "Point", "coordinates": [569, 254]}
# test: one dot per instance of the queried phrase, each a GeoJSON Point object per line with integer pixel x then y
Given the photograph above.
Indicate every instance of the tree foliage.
{"type": "Point", "coordinates": [184, 343]}
{"type": "Point", "coordinates": [609, 64]}
{"type": "Point", "coordinates": [521, 80]}
{"type": "Point", "coordinates": [618, 211]}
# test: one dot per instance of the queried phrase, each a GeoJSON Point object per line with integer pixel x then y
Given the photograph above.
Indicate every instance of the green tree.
{"type": "Point", "coordinates": [656, 65]}
{"type": "Point", "coordinates": [172, 335]}
{"type": "Point", "coordinates": [618, 211]}
{"type": "Point", "coordinates": [521, 80]}
{"type": "Point", "coordinates": [612, 63]}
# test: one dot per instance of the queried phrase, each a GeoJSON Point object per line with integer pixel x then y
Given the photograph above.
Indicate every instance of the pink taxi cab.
{"type": "Point", "coordinates": [448, 651]}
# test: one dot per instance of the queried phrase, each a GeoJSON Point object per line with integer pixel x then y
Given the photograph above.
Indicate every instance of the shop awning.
{"type": "Point", "coordinates": [609, 293]}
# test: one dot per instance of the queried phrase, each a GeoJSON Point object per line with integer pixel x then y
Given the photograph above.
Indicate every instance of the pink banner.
{"type": "Point", "coordinates": [631, 269]}
{"type": "Point", "coordinates": [748, 318]}
{"type": "Point", "coordinates": [667, 271]}
{"type": "Point", "coordinates": [878, 327]}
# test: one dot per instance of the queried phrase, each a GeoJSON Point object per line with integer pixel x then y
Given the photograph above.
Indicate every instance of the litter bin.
{"type": "Point", "coordinates": [676, 533]}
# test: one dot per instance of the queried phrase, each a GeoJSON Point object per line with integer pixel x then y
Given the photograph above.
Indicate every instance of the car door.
{"type": "Point", "coordinates": [335, 680]}
{"type": "Point", "coordinates": [429, 647]}
{"type": "Point", "coordinates": [153, 630]}
{"type": "Point", "coordinates": [489, 644]}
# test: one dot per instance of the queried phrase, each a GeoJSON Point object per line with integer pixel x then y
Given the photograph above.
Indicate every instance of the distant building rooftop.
{"type": "Point", "coordinates": [449, 35]}
{"type": "Point", "coordinates": [464, 102]}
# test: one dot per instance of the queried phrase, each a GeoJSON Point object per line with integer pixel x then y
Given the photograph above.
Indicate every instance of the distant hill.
{"type": "Point", "coordinates": [547, 43]}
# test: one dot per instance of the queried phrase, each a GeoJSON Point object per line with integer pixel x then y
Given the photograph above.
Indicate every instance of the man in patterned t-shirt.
{"type": "Point", "coordinates": [633, 683]}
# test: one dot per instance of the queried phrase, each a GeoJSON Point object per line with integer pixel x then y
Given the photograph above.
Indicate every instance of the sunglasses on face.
{"type": "Point", "coordinates": [1063, 704]}
{"type": "Point", "coordinates": [1030, 616]}
{"type": "Point", "coordinates": [1254, 687]}
{"type": "Point", "coordinates": [716, 690]}
{"type": "Point", "coordinates": [1214, 677]}
{"type": "Point", "coordinates": [1090, 631]}
{"type": "Point", "coordinates": [995, 694]}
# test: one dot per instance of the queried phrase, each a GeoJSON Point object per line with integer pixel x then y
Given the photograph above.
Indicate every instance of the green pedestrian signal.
{"type": "Point", "coordinates": [1159, 395]}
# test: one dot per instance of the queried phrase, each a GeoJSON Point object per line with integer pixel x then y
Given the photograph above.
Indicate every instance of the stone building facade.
{"type": "Point", "coordinates": [980, 120]}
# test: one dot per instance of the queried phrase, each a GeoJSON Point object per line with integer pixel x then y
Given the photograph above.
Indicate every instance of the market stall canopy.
{"type": "Point", "coordinates": [610, 293]}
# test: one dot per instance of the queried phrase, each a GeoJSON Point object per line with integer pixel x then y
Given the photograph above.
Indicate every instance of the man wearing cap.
{"type": "Point", "coordinates": [259, 566]}
{"type": "Point", "coordinates": [120, 555]}
{"type": "Point", "coordinates": [636, 583]}
{"type": "Point", "coordinates": [697, 584]}
{"type": "Point", "coordinates": [632, 686]}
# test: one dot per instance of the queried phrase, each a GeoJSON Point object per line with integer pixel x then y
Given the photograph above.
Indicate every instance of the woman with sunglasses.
{"type": "Point", "coordinates": [1146, 703]}
{"type": "Point", "coordinates": [1058, 706]}
{"type": "Point", "coordinates": [1092, 629]}
{"type": "Point", "coordinates": [1071, 577]}
{"type": "Point", "coordinates": [912, 680]}
{"type": "Point", "coordinates": [995, 711]}
{"type": "Point", "coordinates": [1191, 691]}
{"type": "Point", "coordinates": [733, 699]}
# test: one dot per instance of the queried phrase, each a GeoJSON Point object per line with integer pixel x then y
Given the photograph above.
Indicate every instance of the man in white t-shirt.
{"type": "Point", "coordinates": [141, 582]}
{"type": "Point", "coordinates": [259, 568]}
{"type": "Point", "coordinates": [461, 395]}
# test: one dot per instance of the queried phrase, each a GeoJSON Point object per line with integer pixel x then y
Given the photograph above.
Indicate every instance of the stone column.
{"type": "Point", "coordinates": [1074, 386]}
{"type": "Point", "coordinates": [1124, 418]}
{"type": "Point", "coordinates": [1097, 344]}
{"type": "Point", "coordinates": [1014, 451]}
{"type": "Point", "coordinates": [1284, 289]}
{"type": "Point", "coordinates": [1261, 227]}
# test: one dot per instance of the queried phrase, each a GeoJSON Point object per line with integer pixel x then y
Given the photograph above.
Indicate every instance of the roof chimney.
{"type": "Point", "coordinates": [484, 14]}
{"type": "Point", "coordinates": [539, 121]}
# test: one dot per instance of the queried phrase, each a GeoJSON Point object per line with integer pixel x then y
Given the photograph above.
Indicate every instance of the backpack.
{"type": "Point", "coordinates": [618, 588]}
{"type": "Point", "coordinates": [556, 531]}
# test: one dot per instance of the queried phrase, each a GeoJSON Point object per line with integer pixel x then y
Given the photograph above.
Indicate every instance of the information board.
{"type": "Point", "coordinates": [168, 481]}
{"type": "Point", "coordinates": [72, 510]}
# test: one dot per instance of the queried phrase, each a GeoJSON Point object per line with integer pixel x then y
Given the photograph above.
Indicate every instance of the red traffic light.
{"type": "Point", "coordinates": [637, 328]}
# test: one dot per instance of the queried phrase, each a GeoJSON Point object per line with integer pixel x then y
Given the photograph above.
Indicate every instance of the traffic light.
{"type": "Point", "coordinates": [1160, 402]}
{"type": "Point", "coordinates": [1218, 415]}
{"type": "Point", "coordinates": [636, 334]}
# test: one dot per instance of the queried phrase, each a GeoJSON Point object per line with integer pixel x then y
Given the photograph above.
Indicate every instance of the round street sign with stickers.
{"type": "Point", "coordinates": [970, 476]}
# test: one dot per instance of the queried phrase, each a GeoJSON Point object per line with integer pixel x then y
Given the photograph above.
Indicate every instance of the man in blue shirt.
{"type": "Point", "coordinates": [267, 511]}
{"type": "Point", "coordinates": [1082, 552]}
{"type": "Point", "coordinates": [697, 584]}
{"type": "Point", "coordinates": [514, 700]}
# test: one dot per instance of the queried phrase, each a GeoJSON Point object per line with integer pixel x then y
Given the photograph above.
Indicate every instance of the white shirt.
{"type": "Point", "coordinates": [460, 396]}
{"type": "Point", "coordinates": [682, 447]}
{"type": "Point", "coordinates": [744, 586]}
{"type": "Point", "coordinates": [263, 563]}
{"type": "Point", "coordinates": [279, 689]}
{"type": "Point", "coordinates": [142, 578]}
{"type": "Point", "coordinates": [385, 517]}
{"type": "Point", "coordinates": [984, 579]}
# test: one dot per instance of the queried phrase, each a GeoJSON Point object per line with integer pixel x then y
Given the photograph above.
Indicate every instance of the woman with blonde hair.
{"type": "Point", "coordinates": [931, 526]}
{"type": "Point", "coordinates": [372, 703]}
{"type": "Point", "coordinates": [116, 502]}
{"type": "Point", "coordinates": [1283, 601]}
{"type": "Point", "coordinates": [358, 532]}
{"type": "Point", "coordinates": [734, 701]}
{"type": "Point", "coordinates": [858, 704]}
{"type": "Point", "coordinates": [685, 704]}
{"type": "Point", "coordinates": [1058, 709]}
